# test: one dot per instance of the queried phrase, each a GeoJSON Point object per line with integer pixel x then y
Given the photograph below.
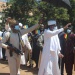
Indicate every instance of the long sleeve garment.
{"type": "Point", "coordinates": [1, 56]}
{"type": "Point", "coordinates": [26, 41]}
{"type": "Point", "coordinates": [51, 49]}
{"type": "Point", "coordinates": [14, 37]}
{"type": "Point", "coordinates": [26, 48]}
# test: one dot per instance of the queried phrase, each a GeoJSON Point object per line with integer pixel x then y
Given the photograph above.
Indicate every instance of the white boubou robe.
{"type": "Point", "coordinates": [51, 49]}
{"type": "Point", "coordinates": [25, 55]}
{"type": "Point", "coordinates": [1, 56]}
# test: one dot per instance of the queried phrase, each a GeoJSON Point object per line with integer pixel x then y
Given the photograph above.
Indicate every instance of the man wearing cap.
{"type": "Point", "coordinates": [1, 55]}
{"type": "Point", "coordinates": [40, 42]}
{"type": "Point", "coordinates": [51, 50]}
{"type": "Point", "coordinates": [22, 61]}
{"type": "Point", "coordinates": [26, 47]}
{"type": "Point", "coordinates": [7, 29]}
{"type": "Point", "coordinates": [14, 38]}
{"type": "Point", "coordinates": [21, 25]}
{"type": "Point", "coordinates": [68, 52]}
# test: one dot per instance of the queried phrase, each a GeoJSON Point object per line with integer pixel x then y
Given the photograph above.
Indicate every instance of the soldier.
{"type": "Point", "coordinates": [14, 38]}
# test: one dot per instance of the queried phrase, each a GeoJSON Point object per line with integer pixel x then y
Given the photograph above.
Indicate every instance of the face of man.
{"type": "Point", "coordinates": [14, 25]}
{"type": "Point", "coordinates": [42, 28]}
{"type": "Point", "coordinates": [15, 28]}
{"type": "Point", "coordinates": [68, 31]}
{"type": "Point", "coordinates": [52, 27]}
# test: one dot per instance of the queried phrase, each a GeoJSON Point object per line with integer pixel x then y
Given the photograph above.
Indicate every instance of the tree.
{"type": "Point", "coordinates": [72, 13]}
{"type": "Point", "coordinates": [20, 9]}
{"type": "Point", "coordinates": [51, 12]}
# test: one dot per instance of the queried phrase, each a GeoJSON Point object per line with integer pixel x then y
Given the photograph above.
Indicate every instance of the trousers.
{"type": "Point", "coordinates": [14, 64]}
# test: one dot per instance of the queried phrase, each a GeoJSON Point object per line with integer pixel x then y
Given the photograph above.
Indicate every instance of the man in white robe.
{"type": "Point", "coordinates": [26, 45]}
{"type": "Point", "coordinates": [51, 50]}
{"type": "Point", "coordinates": [1, 56]}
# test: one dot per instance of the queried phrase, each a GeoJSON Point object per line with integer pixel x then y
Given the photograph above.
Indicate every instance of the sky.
{"type": "Point", "coordinates": [3, 0]}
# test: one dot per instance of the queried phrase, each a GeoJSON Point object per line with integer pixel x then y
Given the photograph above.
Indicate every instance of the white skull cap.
{"type": "Point", "coordinates": [20, 24]}
{"type": "Point", "coordinates": [51, 22]}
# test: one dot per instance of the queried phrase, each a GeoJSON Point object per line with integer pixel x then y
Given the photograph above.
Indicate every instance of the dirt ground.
{"type": "Point", "coordinates": [4, 70]}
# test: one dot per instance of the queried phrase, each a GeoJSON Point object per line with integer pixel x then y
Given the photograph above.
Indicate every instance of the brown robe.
{"type": "Point", "coordinates": [69, 55]}
{"type": "Point", "coordinates": [74, 61]}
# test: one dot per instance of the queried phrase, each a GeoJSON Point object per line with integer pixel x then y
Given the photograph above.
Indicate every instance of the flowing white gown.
{"type": "Point", "coordinates": [1, 56]}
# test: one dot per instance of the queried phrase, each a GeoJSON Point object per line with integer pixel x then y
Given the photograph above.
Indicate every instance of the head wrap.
{"type": "Point", "coordinates": [51, 22]}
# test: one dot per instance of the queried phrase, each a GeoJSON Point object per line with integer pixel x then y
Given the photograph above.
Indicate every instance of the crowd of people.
{"type": "Point", "coordinates": [50, 48]}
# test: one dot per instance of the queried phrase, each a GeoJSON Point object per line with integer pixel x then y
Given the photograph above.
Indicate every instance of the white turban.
{"type": "Point", "coordinates": [51, 22]}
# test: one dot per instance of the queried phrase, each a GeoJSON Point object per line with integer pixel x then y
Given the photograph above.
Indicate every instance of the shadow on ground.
{"type": "Point", "coordinates": [3, 62]}
{"type": "Point", "coordinates": [29, 69]}
{"type": "Point", "coordinates": [23, 68]}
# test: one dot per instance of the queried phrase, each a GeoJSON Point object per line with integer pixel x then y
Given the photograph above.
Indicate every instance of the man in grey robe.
{"type": "Point", "coordinates": [15, 37]}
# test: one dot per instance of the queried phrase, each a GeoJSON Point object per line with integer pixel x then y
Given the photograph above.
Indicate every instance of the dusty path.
{"type": "Point", "coordinates": [4, 70]}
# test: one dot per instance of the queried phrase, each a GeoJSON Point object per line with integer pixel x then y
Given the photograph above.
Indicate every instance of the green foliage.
{"type": "Point", "coordinates": [72, 13]}
{"type": "Point", "coordinates": [51, 12]}
{"type": "Point", "coordinates": [20, 9]}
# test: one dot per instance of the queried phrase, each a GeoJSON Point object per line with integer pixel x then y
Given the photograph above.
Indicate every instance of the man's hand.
{"type": "Point", "coordinates": [30, 51]}
{"type": "Point", "coordinates": [74, 50]}
{"type": "Point", "coordinates": [0, 38]}
{"type": "Point", "coordinates": [67, 26]}
{"type": "Point", "coordinates": [10, 48]}
{"type": "Point", "coordinates": [61, 55]}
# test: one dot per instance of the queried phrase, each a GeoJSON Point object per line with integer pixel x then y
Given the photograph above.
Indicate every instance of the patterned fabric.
{"type": "Point", "coordinates": [65, 36]}
{"type": "Point", "coordinates": [69, 55]}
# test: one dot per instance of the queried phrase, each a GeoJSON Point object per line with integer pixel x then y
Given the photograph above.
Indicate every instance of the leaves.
{"type": "Point", "coordinates": [20, 10]}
